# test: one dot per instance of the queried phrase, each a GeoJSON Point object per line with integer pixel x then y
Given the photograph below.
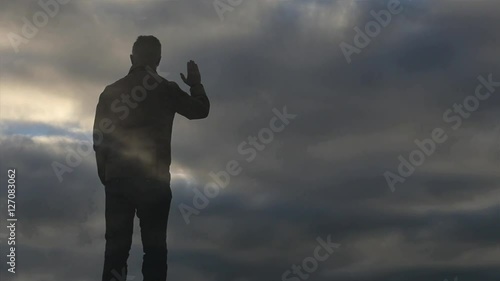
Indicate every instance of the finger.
{"type": "Point", "coordinates": [192, 67]}
{"type": "Point", "coordinates": [183, 77]}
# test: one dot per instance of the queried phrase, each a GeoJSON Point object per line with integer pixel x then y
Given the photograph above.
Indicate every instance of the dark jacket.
{"type": "Point", "coordinates": [133, 124]}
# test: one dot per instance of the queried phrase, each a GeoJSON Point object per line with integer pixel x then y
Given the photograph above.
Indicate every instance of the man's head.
{"type": "Point", "coordinates": [146, 51]}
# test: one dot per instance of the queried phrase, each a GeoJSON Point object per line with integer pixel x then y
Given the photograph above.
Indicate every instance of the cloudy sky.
{"type": "Point", "coordinates": [321, 176]}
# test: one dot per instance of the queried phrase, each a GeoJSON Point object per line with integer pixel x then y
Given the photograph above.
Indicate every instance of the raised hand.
{"type": "Point", "coordinates": [193, 74]}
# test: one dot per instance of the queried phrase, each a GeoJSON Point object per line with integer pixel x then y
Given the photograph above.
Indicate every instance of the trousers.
{"type": "Point", "coordinates": [151, 200]}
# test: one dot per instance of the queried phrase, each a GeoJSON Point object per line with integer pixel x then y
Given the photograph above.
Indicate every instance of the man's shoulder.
{"type": "Point", "coordinates": [172, 84]}
{"type": "Point", "coordinates": [126, 83]}
{"type": "Point", "coordinates": [120, 83]}
{"type": "Point", "coordinates": [115, 87]}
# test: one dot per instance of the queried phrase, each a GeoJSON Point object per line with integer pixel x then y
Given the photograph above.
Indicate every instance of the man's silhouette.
{"type": "Point", "coordinates": [132, 133]}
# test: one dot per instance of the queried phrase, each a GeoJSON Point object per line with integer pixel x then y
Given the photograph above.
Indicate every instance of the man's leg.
{"type": "Point", "coordinates": [120, 212]}
{"type": "Point", "coordinates": [152, 210]}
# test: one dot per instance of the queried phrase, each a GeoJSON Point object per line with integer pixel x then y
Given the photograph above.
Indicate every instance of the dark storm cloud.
{"type": "Point", "coordinates": [321, 176]}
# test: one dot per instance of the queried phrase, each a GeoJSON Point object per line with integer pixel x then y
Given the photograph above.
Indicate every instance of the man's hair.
{"type": "Point", "coordinates": [147, 48]}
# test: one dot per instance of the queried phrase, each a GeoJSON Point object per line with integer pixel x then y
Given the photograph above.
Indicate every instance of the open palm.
{"type": "Point", "coordinates": [193, 74]}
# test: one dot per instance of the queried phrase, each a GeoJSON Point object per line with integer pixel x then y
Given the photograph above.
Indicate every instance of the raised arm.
{"type": "Point", "coordinates": [196, 105]}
